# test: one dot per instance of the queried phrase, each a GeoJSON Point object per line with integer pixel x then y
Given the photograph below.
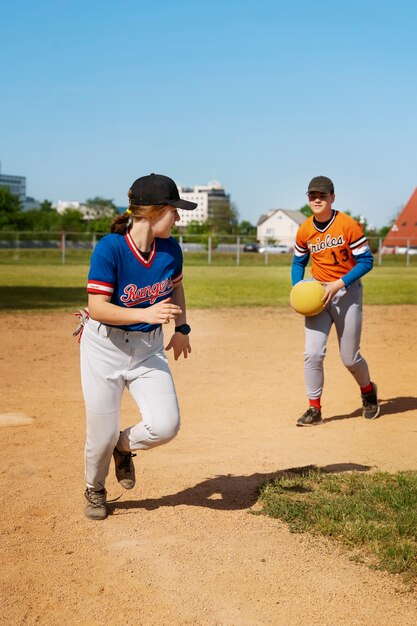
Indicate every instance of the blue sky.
{"type": "Point", "coordinates": [261, 95]}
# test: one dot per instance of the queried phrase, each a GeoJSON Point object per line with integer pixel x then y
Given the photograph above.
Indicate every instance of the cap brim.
{"type": "Point", "coordinates": [184, 204]}
{"type": "Point", "coordinates": [320, 190]}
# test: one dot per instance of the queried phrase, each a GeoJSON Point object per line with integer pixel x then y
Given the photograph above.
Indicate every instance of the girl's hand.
{"type": "Point", "coordinates": [160, 313]}
{"type": "Point", "coordinates": [331, 290]}
{"type": "Point", "coordinates": [180, 344]}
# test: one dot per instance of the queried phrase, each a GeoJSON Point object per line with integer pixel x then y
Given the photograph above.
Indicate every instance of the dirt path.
{"type": "Point", "coordinates": [183, 548]}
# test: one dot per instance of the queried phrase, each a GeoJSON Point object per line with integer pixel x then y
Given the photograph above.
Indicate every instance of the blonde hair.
{"type": "Point", "coordinates": [121, 223]}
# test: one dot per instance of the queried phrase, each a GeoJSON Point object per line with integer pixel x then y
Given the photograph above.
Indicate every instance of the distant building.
{"type": "Point", "coordinates": [62, 205]}
{"type": "Point", "coordinates": [88, 212]}
{"type": "Point", "coordinates": [15, 184]}
{"type": "Point", "coordinates": [403, 232]}
{"type": "Point", "coordinates": [280, 226]}
{"type": "Point", "coordinates": [209, 198]}
{"type": "Point", "coordinates": [31, 203]}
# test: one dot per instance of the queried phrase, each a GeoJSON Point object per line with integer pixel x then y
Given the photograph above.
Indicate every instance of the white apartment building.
{"type": "Point", "coordinates": [204, 196]}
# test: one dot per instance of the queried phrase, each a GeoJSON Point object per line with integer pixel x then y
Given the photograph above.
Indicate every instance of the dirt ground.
{"type": "Point", "coordinates": [183, 548]}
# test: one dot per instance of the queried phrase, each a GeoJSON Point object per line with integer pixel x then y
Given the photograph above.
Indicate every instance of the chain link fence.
{"type": "Point", "coordinates": [75, 248]}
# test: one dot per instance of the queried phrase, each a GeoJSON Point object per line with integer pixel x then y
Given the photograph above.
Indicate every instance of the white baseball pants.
{"type": "Point", "coordinates": [112, 359]}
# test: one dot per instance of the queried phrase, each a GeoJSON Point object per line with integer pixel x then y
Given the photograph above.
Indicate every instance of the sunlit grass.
{"type": "Point", "coordinates": [34, 287]}
{"type": "Point", "coordinates": [375, 514]}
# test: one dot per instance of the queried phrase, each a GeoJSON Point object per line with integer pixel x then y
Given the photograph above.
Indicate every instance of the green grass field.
{"type": "Point", "coordinates": [45, 287]}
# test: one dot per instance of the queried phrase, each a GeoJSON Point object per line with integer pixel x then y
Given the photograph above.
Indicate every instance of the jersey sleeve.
{"type": "Point", "coordinates": [364, 264]}
{"type": "Point", "coordinates": [300, 259]}
{"type": "Point", "coordinates": [102, 274]}
{"type": "Point", "coordinates": [364, 261]}
{"type": "Point", "coordinates": [178, 263]}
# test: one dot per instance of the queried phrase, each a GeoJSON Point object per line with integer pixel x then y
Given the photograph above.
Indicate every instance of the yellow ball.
{"type": "Point", "coordinates": [305, 297]}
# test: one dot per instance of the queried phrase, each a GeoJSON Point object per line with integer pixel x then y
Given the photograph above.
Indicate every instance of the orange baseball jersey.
{"type": "Point", "coordinates": [332, 249]}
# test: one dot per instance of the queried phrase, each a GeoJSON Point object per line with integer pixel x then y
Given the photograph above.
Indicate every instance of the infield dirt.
{"type": "Point", "coordinates": [183, 548]}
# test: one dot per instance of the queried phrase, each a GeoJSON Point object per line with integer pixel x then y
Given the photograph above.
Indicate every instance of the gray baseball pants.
{"type": "Point", "coordinates": [112, 359]}
{"type": "Point", "coordinates": [345, 312]}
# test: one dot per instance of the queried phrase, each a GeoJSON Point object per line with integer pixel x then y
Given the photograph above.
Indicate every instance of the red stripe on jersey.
{"type": "Point", "coordinates": [137, 253]}
{"type": "Point", "coordinates": [359, 242]}
{"type": "Point", "coordinates": [177, 279]}
{"type": "Point", "coordinates": [98, 286]}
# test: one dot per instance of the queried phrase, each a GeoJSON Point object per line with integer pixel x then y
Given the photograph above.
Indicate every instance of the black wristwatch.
{"type": "Point", "coordinates": [184, 329]}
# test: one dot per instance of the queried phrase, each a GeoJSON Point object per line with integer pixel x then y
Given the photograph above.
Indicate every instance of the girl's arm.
{"type": "Point", "coordinates": [179, 343]}
{"type": "Point", "coordinates": [102, 310]}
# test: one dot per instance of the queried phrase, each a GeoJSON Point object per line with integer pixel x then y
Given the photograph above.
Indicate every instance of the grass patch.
{"type": "Point", "coordinates": [375, 514]}
{"type": "Point", "coordinates": [37, 286]}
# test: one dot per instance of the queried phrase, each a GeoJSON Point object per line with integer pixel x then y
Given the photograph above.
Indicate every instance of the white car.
{"type": "Point", "coordinates": [275, 248]}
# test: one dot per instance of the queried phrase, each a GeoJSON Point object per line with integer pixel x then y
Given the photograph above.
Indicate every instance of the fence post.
{"type": "Point", "coordinates": [94, 241]}
{"type": "Point", "coordinates": [407, 255]}
{"type": "Point", "coordinates": [266, 257]}
{"type": "Point", "coordinates": [209, 250]}
{"type": "Point", "coordinates": [379, 251]}
{"type": "Point", "coordinates": [238, 251]}
{"type": "Point", "coordinates": [16, 255]}
{"type": "Point", "coordinates": [63, 248]}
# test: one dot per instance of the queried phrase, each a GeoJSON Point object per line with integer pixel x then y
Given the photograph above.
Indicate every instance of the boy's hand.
{"type": "Point", "coordinates": [331, 290]}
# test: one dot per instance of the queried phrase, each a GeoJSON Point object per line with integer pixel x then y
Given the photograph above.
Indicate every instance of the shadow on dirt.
{"type": "Point", "coordinates": [391, 406]}
{"type": "Point", "coordinates": [227, 492]}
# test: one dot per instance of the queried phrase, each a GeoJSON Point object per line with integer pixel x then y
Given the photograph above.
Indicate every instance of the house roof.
{"type": "Point", "coordinates": [404, 228]}
{"type": "Point", "coordinates": [296, 216]}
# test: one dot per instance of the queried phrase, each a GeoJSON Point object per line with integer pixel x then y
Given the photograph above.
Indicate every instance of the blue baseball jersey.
{"type": "Point", "coordinates": [118, 269]}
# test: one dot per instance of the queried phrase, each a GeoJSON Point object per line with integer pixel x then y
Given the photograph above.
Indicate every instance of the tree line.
{"type": "Point", "coordinates": [224, 218]}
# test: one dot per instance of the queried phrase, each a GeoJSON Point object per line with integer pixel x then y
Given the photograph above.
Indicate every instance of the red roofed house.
{"type": "Point", "coordinates": [403, 233]}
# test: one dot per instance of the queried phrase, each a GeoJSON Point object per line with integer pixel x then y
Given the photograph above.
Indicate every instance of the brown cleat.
{"type": "Point", "coordinates": [370, 405]}
{"type": "Point", "coordinates": [125, 470]}
{"type": "Point", "coordinates": [96, 504]}
{"type": "Point", "coordinates": [310, 418]}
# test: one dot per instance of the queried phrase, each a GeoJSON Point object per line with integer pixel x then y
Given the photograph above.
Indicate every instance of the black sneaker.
{"type": "Point", "coordinates": [96, 504]}
{"type": "Point", "coordinates": [311, 417]}
{"type": "Point", "coordinates": [370, 406]}
{"type": "Point", "coordinates": [125, 470]}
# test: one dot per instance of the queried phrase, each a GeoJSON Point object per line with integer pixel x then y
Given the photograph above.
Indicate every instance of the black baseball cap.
{"type": "Point", "coordinates": [158, 189]}
{"type": "Point", "coordinates": [321, 183]}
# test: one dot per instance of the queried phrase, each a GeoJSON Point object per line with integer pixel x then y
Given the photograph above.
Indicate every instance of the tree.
{"type": "Point", "coordinates": [100, 207]}
{"type": "Point", "coordinates": [195, 228]}
{"type": "Point", "coordinates": [246, 228]}
{"type": "Point", "coordinates": [40, 220]}
{"type": "Point", "coordinates": [46, 205]}
{"type": "Point", "coordinates": [223, 215]}
{"type": "Point", "coordinates": [305, 210]}
{"type": "Point", "coordinates": [10, 210]}
{"type": "Point", "coordinates": [72, 221]}
{"type": "Point", "coordinates": [100, 225]}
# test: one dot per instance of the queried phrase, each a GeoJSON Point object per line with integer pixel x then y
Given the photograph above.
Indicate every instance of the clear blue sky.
{"type": "Point", "coordinates": [261, 95]}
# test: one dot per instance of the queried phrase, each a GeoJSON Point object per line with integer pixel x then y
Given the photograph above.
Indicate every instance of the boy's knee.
{"type": "Point", "coordinates": [351, 361]}
{"type": "Point", "coordinates": [313, 359]}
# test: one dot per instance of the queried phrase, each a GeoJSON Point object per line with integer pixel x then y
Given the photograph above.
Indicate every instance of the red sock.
{"type": "Point", "coordinates": [315, 402]}
{"type": "Point", "coordinates": [367, 389]}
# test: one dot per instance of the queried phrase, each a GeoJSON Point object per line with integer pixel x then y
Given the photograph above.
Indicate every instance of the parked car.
{"type": "Point", "coordinates": [250, 247]}
{"type": "Point", "coordinates": [275, 248]}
